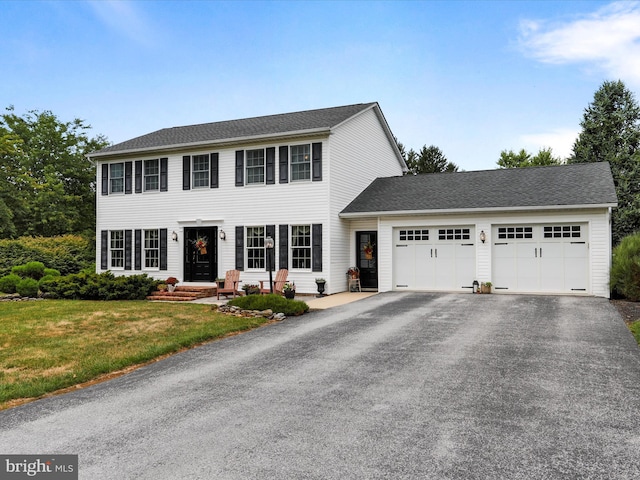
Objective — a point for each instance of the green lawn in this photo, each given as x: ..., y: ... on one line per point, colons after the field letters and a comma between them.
x: 635, y: 329
x: 49, y: 345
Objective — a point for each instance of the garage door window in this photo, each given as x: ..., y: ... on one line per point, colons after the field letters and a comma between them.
x: 562, y: 231
x: 454, y: 234
x: 515, y: 232
x: 414, y: 235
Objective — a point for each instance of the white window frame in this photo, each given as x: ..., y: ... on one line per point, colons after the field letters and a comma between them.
x: 255, y: 173
x: 151, y: 181
x: 301, y: 254
x: 256, y: 251
x: 113, y: 179
x: 200, y: 176
x: 151, y: 249
x: 300, y: 159
x: 116, y: 249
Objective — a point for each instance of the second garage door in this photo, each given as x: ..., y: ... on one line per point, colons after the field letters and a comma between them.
x: 434, y: 258
x: 541, y: 258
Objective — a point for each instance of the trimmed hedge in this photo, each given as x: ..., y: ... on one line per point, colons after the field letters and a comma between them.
x: 8, y: 283
x: 65, y: 253
x: 33, y: 270
x: 27, y: 287
x: 276, y: 303
x: 88, y: 285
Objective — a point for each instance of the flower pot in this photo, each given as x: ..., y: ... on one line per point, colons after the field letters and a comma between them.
x: 290, y: 294
x: 171, y: 288
x: 485, y: 288
x: 320, y: 286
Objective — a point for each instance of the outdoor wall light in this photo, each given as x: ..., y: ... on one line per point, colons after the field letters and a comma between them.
x: 222, y: 235
x: 174, y: 236
x: 483, y: 236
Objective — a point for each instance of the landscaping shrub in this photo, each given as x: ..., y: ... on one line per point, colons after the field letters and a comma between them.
x: 27, y: 287
x: 51, y: 272
x: 33, y: 270
x: 8, y: 283
x: 625, y: 268
x: 88, y: 285
x: 276, y: 303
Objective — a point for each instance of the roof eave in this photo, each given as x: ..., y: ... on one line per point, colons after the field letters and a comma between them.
x: 450, y: 211
x: 215, y: 143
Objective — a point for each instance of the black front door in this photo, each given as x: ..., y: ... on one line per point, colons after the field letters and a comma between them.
x: 200, y: 254
x: 367, y: 258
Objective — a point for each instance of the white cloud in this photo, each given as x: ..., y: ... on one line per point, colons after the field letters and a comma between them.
x: 608, y: 39
x: 122, y: 16
x: 559, y: 140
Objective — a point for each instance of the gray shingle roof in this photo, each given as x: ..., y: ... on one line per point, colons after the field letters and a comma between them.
x: 325, y: 118
x: 565, y: 185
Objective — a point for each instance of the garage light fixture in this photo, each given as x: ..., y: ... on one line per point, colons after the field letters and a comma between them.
x: 483, y: 236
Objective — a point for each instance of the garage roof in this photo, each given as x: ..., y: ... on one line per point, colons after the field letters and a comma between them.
x: 577, y: 185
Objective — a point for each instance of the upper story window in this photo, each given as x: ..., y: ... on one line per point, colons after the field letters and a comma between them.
x: 301, y: 247
x: 255, y: 248
x: 151, y: 248
x: 255, y: 166
x: 116, y: 177
x: 151, y: 175
x: 116, y: 248
x: 200, y: 171
x: 300, y: 162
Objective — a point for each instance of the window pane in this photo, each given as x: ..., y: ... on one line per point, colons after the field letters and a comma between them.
x: 301, y: 246
x: 151, y: 174
x: 116, y: 249
x: 301, y: 162
x: 255, y: 166
x: 200, y: 171
x: 255, y: 248
x: 116, y: 175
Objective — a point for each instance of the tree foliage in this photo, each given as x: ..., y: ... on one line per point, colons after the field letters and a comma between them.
x: 611, y: 133
x: 47, y: 184
x: 427, y: 160
x: 511, y: 159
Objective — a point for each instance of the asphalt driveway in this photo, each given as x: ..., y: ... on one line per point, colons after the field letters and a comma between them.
x: 399, y: 385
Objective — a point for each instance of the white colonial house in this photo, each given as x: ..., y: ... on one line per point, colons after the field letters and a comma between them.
x: 234, y: 183
x: 326, y: 183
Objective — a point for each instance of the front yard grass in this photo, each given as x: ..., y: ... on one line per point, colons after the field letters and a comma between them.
x: 50, y: 345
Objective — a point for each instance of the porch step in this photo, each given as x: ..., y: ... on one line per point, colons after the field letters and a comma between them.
x: 183, y: 294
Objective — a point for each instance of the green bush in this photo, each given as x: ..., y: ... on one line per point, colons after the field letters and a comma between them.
x: 625, y: 268
x: 51, y: 272
x: 33, y: 270
x: 8, y: 283
x: 27, y: 287
x: 88, y: 285
x: 272, y: 302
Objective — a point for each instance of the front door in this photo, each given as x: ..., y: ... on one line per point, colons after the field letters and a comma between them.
x: 201, y: 254
x: 367, y: 258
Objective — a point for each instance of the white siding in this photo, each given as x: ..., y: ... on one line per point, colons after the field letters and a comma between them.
x: 598, y: 227
x: 360, y: 153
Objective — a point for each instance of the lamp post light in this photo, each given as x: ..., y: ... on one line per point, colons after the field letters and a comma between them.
x: 268, y: 244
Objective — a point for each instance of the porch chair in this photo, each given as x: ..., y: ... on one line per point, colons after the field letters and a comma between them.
x: 231, y: 284
x: 278, y: 283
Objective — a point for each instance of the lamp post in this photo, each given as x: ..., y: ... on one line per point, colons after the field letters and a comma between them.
x: 268, y: 244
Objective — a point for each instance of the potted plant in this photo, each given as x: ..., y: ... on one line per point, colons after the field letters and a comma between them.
x: 289, y: 290
x: 220, y: 282
x: 162, y: 287
x: 353, y: 272
x: 251, y: 289
x: 485, y: 287
x: 171, y: 283
x: 320, y: 283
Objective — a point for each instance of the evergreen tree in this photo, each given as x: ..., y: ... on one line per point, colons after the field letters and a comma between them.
x: 428, y: 160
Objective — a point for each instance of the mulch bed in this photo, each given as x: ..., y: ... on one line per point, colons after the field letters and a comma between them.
x: 629, y: 311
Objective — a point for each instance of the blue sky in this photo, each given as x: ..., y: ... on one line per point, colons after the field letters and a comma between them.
x: 471, y: 77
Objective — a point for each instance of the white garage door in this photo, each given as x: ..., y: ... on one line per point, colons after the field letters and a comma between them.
x: 541, y: 258
x: 428, y: 258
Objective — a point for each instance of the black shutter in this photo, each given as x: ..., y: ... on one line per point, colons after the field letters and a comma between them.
x: 186, y: 172
x: 270, y: 231
x: 138, y: 173
x: 316, y: 247
x: 239, y: 168
x: 127, y: 177
x: 163, y: 249
x: 164, y: 174
x: 316, y: 163
x: 104, y: 249
x: 284, y: 164
x: 240, y: 248
x: 283, y: 242
x: 214, y: 170
x: 137, y: 242
x: 105, y: 179
x: 271, y: 165
x: 127, y: 249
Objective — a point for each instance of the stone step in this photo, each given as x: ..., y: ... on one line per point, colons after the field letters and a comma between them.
x: 183, y: 293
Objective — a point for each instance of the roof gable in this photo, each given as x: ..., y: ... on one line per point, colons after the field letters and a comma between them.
x: 580, y: 184
x: 287, y: 123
